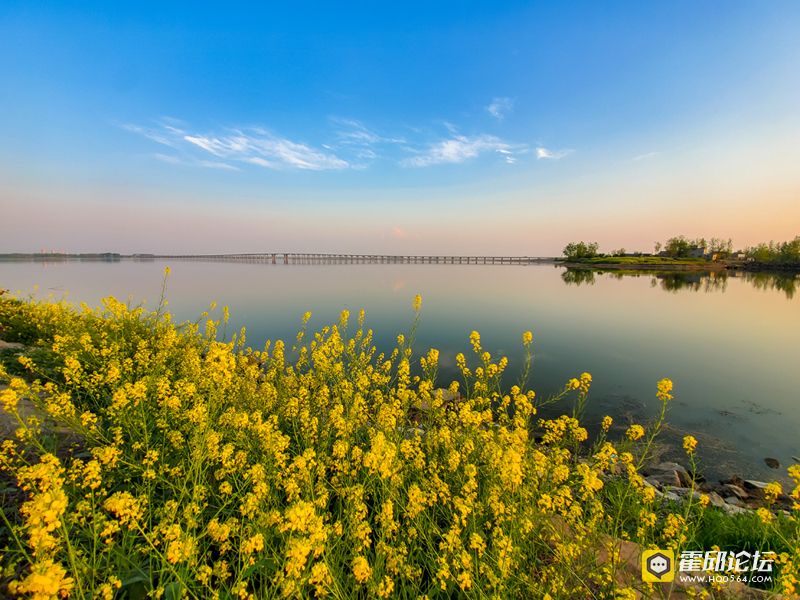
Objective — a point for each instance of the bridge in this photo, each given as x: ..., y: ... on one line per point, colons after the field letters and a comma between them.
x: 293, y: 258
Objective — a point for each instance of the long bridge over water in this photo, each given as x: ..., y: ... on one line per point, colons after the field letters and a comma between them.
x: 293, y: 258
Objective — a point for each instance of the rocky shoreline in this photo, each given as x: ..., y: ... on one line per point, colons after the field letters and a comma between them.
x: 734, y: 495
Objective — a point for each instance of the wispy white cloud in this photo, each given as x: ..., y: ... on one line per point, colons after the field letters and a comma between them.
x: 350, y: 144
x: 500, y: 107
x: 254, y: 146
x: 187, y: 161
x: 645, y: 156
x: 261, y: 147
x: 546, y: 153
x: 260, y: 162
x: 450, y: 127
x: 460, y: 148
x: 167, y: 158
x: 161, y: 135
x: 213, y: 164
x: 354, y: 131
x: 356, y: 140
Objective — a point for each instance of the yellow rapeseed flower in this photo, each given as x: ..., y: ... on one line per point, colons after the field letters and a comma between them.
x: 253, y: 544
x: 125, y: 507
x: 9, y: 398
x: 635, y: 432
x: 47, y: 580
x: 765, y: 515
x: 361, y: 569
x: 664, y: 389
x: 417, y: 303
x: 772, y: 491
x: 475, y: 340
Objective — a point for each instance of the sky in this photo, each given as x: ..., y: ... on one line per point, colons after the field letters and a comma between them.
x: 495, y: 128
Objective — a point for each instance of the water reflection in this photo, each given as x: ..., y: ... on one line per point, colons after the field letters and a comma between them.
x: 706, y: 282
x: 782, y: 282
x: 695, y: 281
x: 579, y: 276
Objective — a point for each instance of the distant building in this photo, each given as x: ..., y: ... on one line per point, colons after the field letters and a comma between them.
x: 698, y: 252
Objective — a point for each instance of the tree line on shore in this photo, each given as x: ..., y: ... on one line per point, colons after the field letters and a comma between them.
x: 713, y: 249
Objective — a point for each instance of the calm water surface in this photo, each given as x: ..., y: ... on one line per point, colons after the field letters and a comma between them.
x: 729, y: 344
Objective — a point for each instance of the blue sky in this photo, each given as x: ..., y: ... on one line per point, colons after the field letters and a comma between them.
x: 396, y: 128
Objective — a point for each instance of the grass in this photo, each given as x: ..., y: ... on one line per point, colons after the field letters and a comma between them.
x: 319, y: 467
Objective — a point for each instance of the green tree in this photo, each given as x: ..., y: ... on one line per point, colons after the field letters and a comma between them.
x: 678, y: 247
x: 577, y: 250
x: 774, y: 252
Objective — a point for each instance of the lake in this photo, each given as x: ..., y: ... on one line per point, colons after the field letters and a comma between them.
x: 729, y: 343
